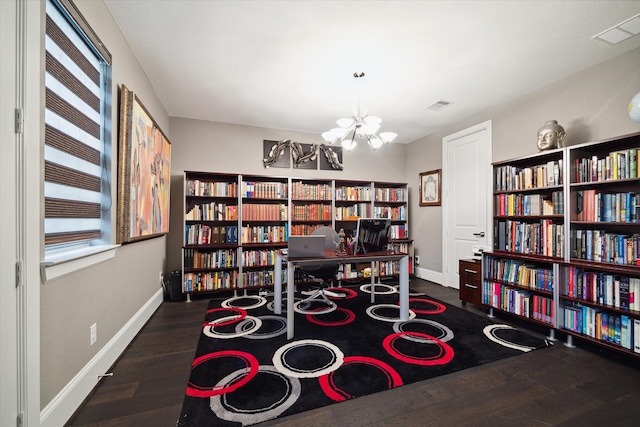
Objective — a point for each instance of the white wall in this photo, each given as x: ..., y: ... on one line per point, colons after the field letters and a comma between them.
x: 590, y: 105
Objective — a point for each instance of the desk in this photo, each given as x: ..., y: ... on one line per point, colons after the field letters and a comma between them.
x: 332, y: 257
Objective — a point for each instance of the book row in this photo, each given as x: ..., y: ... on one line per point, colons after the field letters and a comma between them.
x: 258, y: 258
x: 311, y: 212
x: 510, y: 178
x: 529, y: 204
x: 305, y: 191
x: 303, y: 229
x: 221, y: 258
x: 264, y: 190
x: 607, y: 207
x: 358, y: 193
x: 212, y: 212
x: 538, y: 238
x: 398, y: 232
x: 195, y: 187
x: 396, y: 213
x: 264, y: 212
x: 265, y: 234
x: 617, y: 291
x: 202, y: 234
x: 518, y: 302
x: 357, y: 210
x: 391, y: 195
x: 519, y: 273
x: 210, y: 281
x: 616, y: 165
x: 612, y: 328
x: 603, y: 246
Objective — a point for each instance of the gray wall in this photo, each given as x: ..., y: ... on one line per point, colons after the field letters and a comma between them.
x: 110, y: 293
x: 590, y: 105
x: 219, y: 147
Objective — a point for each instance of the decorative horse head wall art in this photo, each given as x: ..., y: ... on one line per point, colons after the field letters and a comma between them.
x: 304, y: 156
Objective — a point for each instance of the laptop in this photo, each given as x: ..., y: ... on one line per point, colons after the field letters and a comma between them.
x: 306, y: 246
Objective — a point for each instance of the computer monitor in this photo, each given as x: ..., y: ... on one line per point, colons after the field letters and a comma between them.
x: 372, y: 235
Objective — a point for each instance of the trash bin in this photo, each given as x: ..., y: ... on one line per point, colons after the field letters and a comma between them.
x: 174, y: 280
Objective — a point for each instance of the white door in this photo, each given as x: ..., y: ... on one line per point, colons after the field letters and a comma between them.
x: 466, y: 184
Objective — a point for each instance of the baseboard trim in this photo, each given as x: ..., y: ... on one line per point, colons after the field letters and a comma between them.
x: 430, y: 275
x: 63, y: 406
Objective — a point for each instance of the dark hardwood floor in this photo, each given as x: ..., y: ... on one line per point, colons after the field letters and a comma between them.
x: 559, y: 386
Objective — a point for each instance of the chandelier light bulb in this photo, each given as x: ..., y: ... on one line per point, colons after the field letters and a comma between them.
x: 345, y: 122
x: 375, y: 142
x: 359, y: 126
x: 388, y: 137
x: 349, y: 144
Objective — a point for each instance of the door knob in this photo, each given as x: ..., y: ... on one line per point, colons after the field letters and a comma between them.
x: 480, y: 234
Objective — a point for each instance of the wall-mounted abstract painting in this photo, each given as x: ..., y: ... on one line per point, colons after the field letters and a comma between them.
x: 144, y: 173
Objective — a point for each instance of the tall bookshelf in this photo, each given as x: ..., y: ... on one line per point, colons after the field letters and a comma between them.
x: 211, y: 247
x: 599, y: 296
x: 567, y: 242
x: 311, y: 205
x: 529, y: 236
x: 235, y: 223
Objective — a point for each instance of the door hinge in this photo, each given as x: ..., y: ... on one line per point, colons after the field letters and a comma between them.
x: 18, y: 273
x: 19, y: 419
x: 19, y: 120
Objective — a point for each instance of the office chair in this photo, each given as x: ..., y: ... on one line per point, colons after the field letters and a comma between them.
x: 320, y: 273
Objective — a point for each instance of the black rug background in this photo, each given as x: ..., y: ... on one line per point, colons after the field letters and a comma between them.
x: 361, y: 337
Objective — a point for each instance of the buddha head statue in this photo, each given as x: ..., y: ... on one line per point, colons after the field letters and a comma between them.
x: 550, y: 136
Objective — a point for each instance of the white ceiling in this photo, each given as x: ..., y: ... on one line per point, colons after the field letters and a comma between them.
x: 289, y: 64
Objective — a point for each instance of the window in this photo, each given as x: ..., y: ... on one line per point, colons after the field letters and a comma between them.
x: 77, y: 174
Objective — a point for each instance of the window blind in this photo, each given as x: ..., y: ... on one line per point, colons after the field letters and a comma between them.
x: 74, y: 134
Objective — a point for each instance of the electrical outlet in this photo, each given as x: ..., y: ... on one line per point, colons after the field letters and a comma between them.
x: 417, y: 258
x: 161, y: 277
x: 93, y: 332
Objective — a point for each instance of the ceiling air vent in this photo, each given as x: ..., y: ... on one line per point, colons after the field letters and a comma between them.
x: 437, y: 106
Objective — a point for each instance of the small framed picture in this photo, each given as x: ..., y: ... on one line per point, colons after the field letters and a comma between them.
x: 430, y: 188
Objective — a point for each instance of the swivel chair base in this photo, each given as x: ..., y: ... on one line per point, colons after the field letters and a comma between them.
x: 320, y: 296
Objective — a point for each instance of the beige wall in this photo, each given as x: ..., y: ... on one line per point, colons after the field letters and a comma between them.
x: 590, y: 105
x: 110, y: 293
x: 219, y: 147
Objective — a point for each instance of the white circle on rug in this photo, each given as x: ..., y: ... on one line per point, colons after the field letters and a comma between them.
x: 271, y: 305
x: 372, y: 309
x: 411, y: 294
x: 329, y: 309
x: 336, y: 360
x: 266, y: 335
x: 489, y: 331
x: 445, y: 336
x: 219, y: 404
x: 211, y: 332
x: 228, y: 302
x: 389, y: 289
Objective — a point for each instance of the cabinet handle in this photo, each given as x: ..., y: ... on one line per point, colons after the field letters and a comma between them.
x: 470, y: 286
x: 470, y: 271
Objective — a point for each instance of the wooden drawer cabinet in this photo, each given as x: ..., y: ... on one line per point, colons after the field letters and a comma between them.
x: 470, y: 271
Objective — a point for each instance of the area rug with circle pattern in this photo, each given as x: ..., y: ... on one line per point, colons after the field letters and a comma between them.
x: 245, y: 371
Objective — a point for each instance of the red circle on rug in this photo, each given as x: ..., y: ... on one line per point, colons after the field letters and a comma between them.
x: 315, y: 319
x: 445, y: 356
x: 338, y: 395
x: 350, y: 293
x: 440, y: 308
x: 241, y: 315
x: 251, y: 365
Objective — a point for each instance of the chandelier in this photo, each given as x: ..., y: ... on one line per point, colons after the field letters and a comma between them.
x: 358, y: 127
